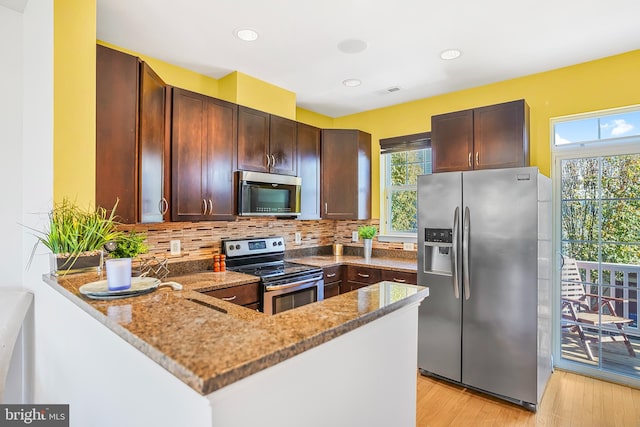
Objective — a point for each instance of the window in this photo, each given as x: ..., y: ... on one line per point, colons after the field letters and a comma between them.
x: 403, y: 159
x: 597, y: 127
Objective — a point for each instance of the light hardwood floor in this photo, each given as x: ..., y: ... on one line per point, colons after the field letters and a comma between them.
x: 569, y: 400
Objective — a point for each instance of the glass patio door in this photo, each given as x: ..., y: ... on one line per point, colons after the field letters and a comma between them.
x: 599, y: 230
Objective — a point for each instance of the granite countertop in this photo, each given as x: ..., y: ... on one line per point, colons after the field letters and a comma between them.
x: 213, y: 343
x: 386, y: 263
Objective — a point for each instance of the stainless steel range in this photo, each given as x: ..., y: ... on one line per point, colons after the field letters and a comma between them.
x: 285, y: 285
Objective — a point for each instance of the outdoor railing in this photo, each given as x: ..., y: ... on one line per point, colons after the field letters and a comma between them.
x: 618, y: 280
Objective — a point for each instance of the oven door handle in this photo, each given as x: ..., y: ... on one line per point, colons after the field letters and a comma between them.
x: 292, y: 285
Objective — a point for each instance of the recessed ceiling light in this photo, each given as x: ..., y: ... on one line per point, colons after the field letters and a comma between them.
x: 351, y: 82
x: 246, y: 34
x: 450, y: 54
x: 352, y: 46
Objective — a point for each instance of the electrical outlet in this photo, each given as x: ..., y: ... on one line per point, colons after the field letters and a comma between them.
x: 298, y: 237
x: 175, y: 247
x: 354, y: 236
x: 407, y: 246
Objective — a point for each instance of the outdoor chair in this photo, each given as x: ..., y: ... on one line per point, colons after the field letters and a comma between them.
x: 580, y: 309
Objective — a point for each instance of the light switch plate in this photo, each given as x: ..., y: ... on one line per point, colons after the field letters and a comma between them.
x: 175, y: 247
x: 298, y: 237
x: 354, y: 236
x: 407, y: 246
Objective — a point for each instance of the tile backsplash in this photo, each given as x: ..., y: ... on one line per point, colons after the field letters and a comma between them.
x: 201, y: 240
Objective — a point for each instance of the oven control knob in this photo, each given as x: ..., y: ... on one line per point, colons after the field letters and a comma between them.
x: 274, y: 243
x: 280, y: 243
x: 237, y: 247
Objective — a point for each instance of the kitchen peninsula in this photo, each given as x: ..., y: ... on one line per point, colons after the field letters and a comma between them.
x: 185, y: 358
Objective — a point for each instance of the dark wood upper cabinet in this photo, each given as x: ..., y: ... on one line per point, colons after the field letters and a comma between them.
x: 253, y: 140
x: 131, y: 138
x: 495, y: 136
x: 266, y: 143
x: 203, y: 149
x: 452, y: 141
x: 308, y: 153
x: 282, y: 145
x: 346, y: 174
x: 501, y: 135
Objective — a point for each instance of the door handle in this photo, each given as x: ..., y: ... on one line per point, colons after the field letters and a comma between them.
x: 465, y: 252
x: 268, y: 161
x: 469, y: 159
x: 330, y: 275
x: 204, y: 207
x: 326, y: 208
x: 210, y: 207
x: 454, y: 258
x: 273, y: 161
x: 164, y: 206
x: 477, y: 158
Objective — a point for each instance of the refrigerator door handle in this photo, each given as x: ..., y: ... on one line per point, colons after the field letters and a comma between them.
x: 454, y: 258
x: 465, y: 252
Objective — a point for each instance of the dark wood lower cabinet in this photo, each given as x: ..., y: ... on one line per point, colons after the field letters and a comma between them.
x: 245, y: 295
x: 359, y: 277
x: 333, y: 282
x: 400, y: 277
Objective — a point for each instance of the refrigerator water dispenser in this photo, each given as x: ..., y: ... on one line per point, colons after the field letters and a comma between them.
x: 438, y: 253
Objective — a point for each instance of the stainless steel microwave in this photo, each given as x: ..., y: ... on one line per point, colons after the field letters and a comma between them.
x: 268, y: 194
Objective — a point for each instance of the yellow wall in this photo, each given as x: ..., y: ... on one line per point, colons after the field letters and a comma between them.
x: 263, y: 96
x: 606, y: 83
x: 74, y: 100
x: 174, y: 75
x: 313, y: 119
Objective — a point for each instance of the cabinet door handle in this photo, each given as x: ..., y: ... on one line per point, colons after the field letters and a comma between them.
x: 399, y: 280
x: 204, y: 207
x: 326, y: 208
x: 273, y: 161
x: 229, y: 298
x: 363, y: 275
x: 268, y: 161
x: 469, y: 159
x: 164, y: 206
x: 331, y: 275
x: 210, y: 207
x: 477, y: 159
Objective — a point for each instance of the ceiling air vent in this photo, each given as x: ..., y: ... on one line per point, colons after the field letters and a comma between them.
x: 393, y: 89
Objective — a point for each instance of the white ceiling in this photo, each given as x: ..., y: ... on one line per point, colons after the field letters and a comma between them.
x: 297, y: 49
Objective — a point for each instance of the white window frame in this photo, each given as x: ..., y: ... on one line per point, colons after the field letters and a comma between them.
x: 386, y: 235
x: 603, y: 147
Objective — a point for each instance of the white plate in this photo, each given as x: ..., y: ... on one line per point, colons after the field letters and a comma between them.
x: 100, y: 289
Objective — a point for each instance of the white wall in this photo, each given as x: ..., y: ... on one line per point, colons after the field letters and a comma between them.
x: 26, y: 172
x: 36, y: 162
x: 11, y: 103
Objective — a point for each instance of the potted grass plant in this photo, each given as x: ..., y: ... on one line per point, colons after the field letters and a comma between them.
x: 367, y: 233
x: 76, y: 237
x: 119, y: 269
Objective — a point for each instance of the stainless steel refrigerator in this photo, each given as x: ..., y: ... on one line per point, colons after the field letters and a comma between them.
x: 484, y: 250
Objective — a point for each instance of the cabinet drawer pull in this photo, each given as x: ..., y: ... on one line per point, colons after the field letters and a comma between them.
x: 469, y: 159
x: 363, y: 275
x: 477, y: 159
x: 204, y: 207
x: 331, y: 275
x: 399, y: 280
x: 268, y: 161
x: 229, y: 298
